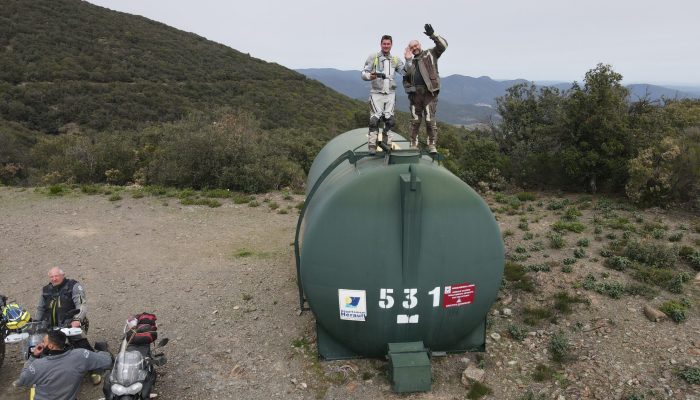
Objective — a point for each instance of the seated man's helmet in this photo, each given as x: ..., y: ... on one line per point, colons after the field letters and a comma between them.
x: 15, y: 316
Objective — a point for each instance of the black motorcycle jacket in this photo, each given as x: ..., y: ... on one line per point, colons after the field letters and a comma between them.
x: 56, y: 301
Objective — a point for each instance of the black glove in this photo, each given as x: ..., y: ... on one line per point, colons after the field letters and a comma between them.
x: 380, y: 75
x: 429, y: 31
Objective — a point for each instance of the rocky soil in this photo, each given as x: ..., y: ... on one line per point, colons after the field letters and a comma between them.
x: 222, y: 282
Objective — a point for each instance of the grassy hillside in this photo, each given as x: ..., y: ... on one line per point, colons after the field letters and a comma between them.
x: 67, y: 61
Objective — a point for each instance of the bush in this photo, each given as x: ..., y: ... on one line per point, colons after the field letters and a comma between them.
x: 652, y: 254
x: 691, y: 375
x: 675, y: 237
x: 559, y: 347
x: 526, y: 196
x: 571, y: 214
x: 517, y: 332
x: 557, y: 204
x: 675, y: 310
x: 618, y: 263
x: 573, y: 226
x: 579, y: 252
x: 556, y: 241
x: 542, y: 373
x: 582, y: 242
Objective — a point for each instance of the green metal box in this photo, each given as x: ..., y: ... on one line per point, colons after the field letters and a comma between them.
x: 409, y: 367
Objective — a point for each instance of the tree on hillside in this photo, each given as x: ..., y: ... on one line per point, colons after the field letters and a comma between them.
x: 596, y: 143
x: 529, y: 133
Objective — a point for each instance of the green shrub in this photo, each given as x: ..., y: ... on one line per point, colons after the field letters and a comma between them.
x: 90, y: 189
x: 526, y: 196
x: 524, y: 226
x: 573, y: 226
x: 694, y: 259
x: 273, y: 205
x: 571, y: 214
x: 559, y: 347
x: 137, y: 194
x: 253, y: 203
x: 115, y: 197
x: 242, y: 198
x: 569, y: 261
x: 528, y: 236
x: 520, y: 249
x: 563, y: 302
x: 517, y: 257
x: 614, y: 290
x: 556, y: 240
x: 193, y: 201
x: 598, y: 230
x: 517, y: 332
x: 589, y: 282
x: 567, y: 269
x: 533, y: 315
x: 652, y: 254
x: 478, y: 390
x: 557, y: 204
x: 641, y: 290
x: 658, y: 233
x: 618, y: 263
x: 542, y: 373
x: 675, y: 237
x: 539, y: 268
x: 579, y: 252
x: 57, y: 190
x: 537, y: 246
x: 691, y: 375
x: 675, y: 310
x: 582, y: 242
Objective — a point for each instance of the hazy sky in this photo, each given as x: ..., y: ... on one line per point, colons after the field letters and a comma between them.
x: 646, y: 41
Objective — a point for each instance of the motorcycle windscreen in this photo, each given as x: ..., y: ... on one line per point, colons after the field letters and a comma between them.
x: 128, y: 368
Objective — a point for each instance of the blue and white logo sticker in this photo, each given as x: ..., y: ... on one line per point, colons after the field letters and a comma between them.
x: 352, y: 304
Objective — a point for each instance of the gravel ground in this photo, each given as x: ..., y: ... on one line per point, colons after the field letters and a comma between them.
x: 222, y: 283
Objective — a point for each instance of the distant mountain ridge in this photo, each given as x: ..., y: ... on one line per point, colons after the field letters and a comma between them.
x: 466, y: 100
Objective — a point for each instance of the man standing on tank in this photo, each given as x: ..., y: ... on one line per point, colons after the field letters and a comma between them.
x: 422, y: 84
x: 380, y: 69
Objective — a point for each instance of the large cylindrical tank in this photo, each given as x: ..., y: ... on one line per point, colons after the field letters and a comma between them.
x: 394, y: 249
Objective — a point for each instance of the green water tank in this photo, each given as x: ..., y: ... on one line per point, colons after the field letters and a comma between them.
x: 394, y: 249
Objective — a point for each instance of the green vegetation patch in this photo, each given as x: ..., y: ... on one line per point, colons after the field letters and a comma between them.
x: 572, y: 226
x: 691, y: 375
x: 559, y: 347
x: 526, y: 196
x: 193, y: 201
x: 516, y: 273
x: 533, y: 315
x: 517, y: 332
x: 543, y: 373
x: 478, y: 390
x: 676, y: 310
x: 563, y: 302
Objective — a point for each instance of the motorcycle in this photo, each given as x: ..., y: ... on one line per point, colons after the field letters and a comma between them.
x: 32, y: 334
x: 3, y: 329
x: 134, y: 374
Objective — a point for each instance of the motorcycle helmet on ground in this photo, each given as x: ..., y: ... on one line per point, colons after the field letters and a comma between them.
x: 15, y: 316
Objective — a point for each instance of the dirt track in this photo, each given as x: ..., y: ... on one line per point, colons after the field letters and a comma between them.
x: 222, y: 282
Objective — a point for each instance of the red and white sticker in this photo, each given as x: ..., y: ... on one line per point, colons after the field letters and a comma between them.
x: 458, y: 295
